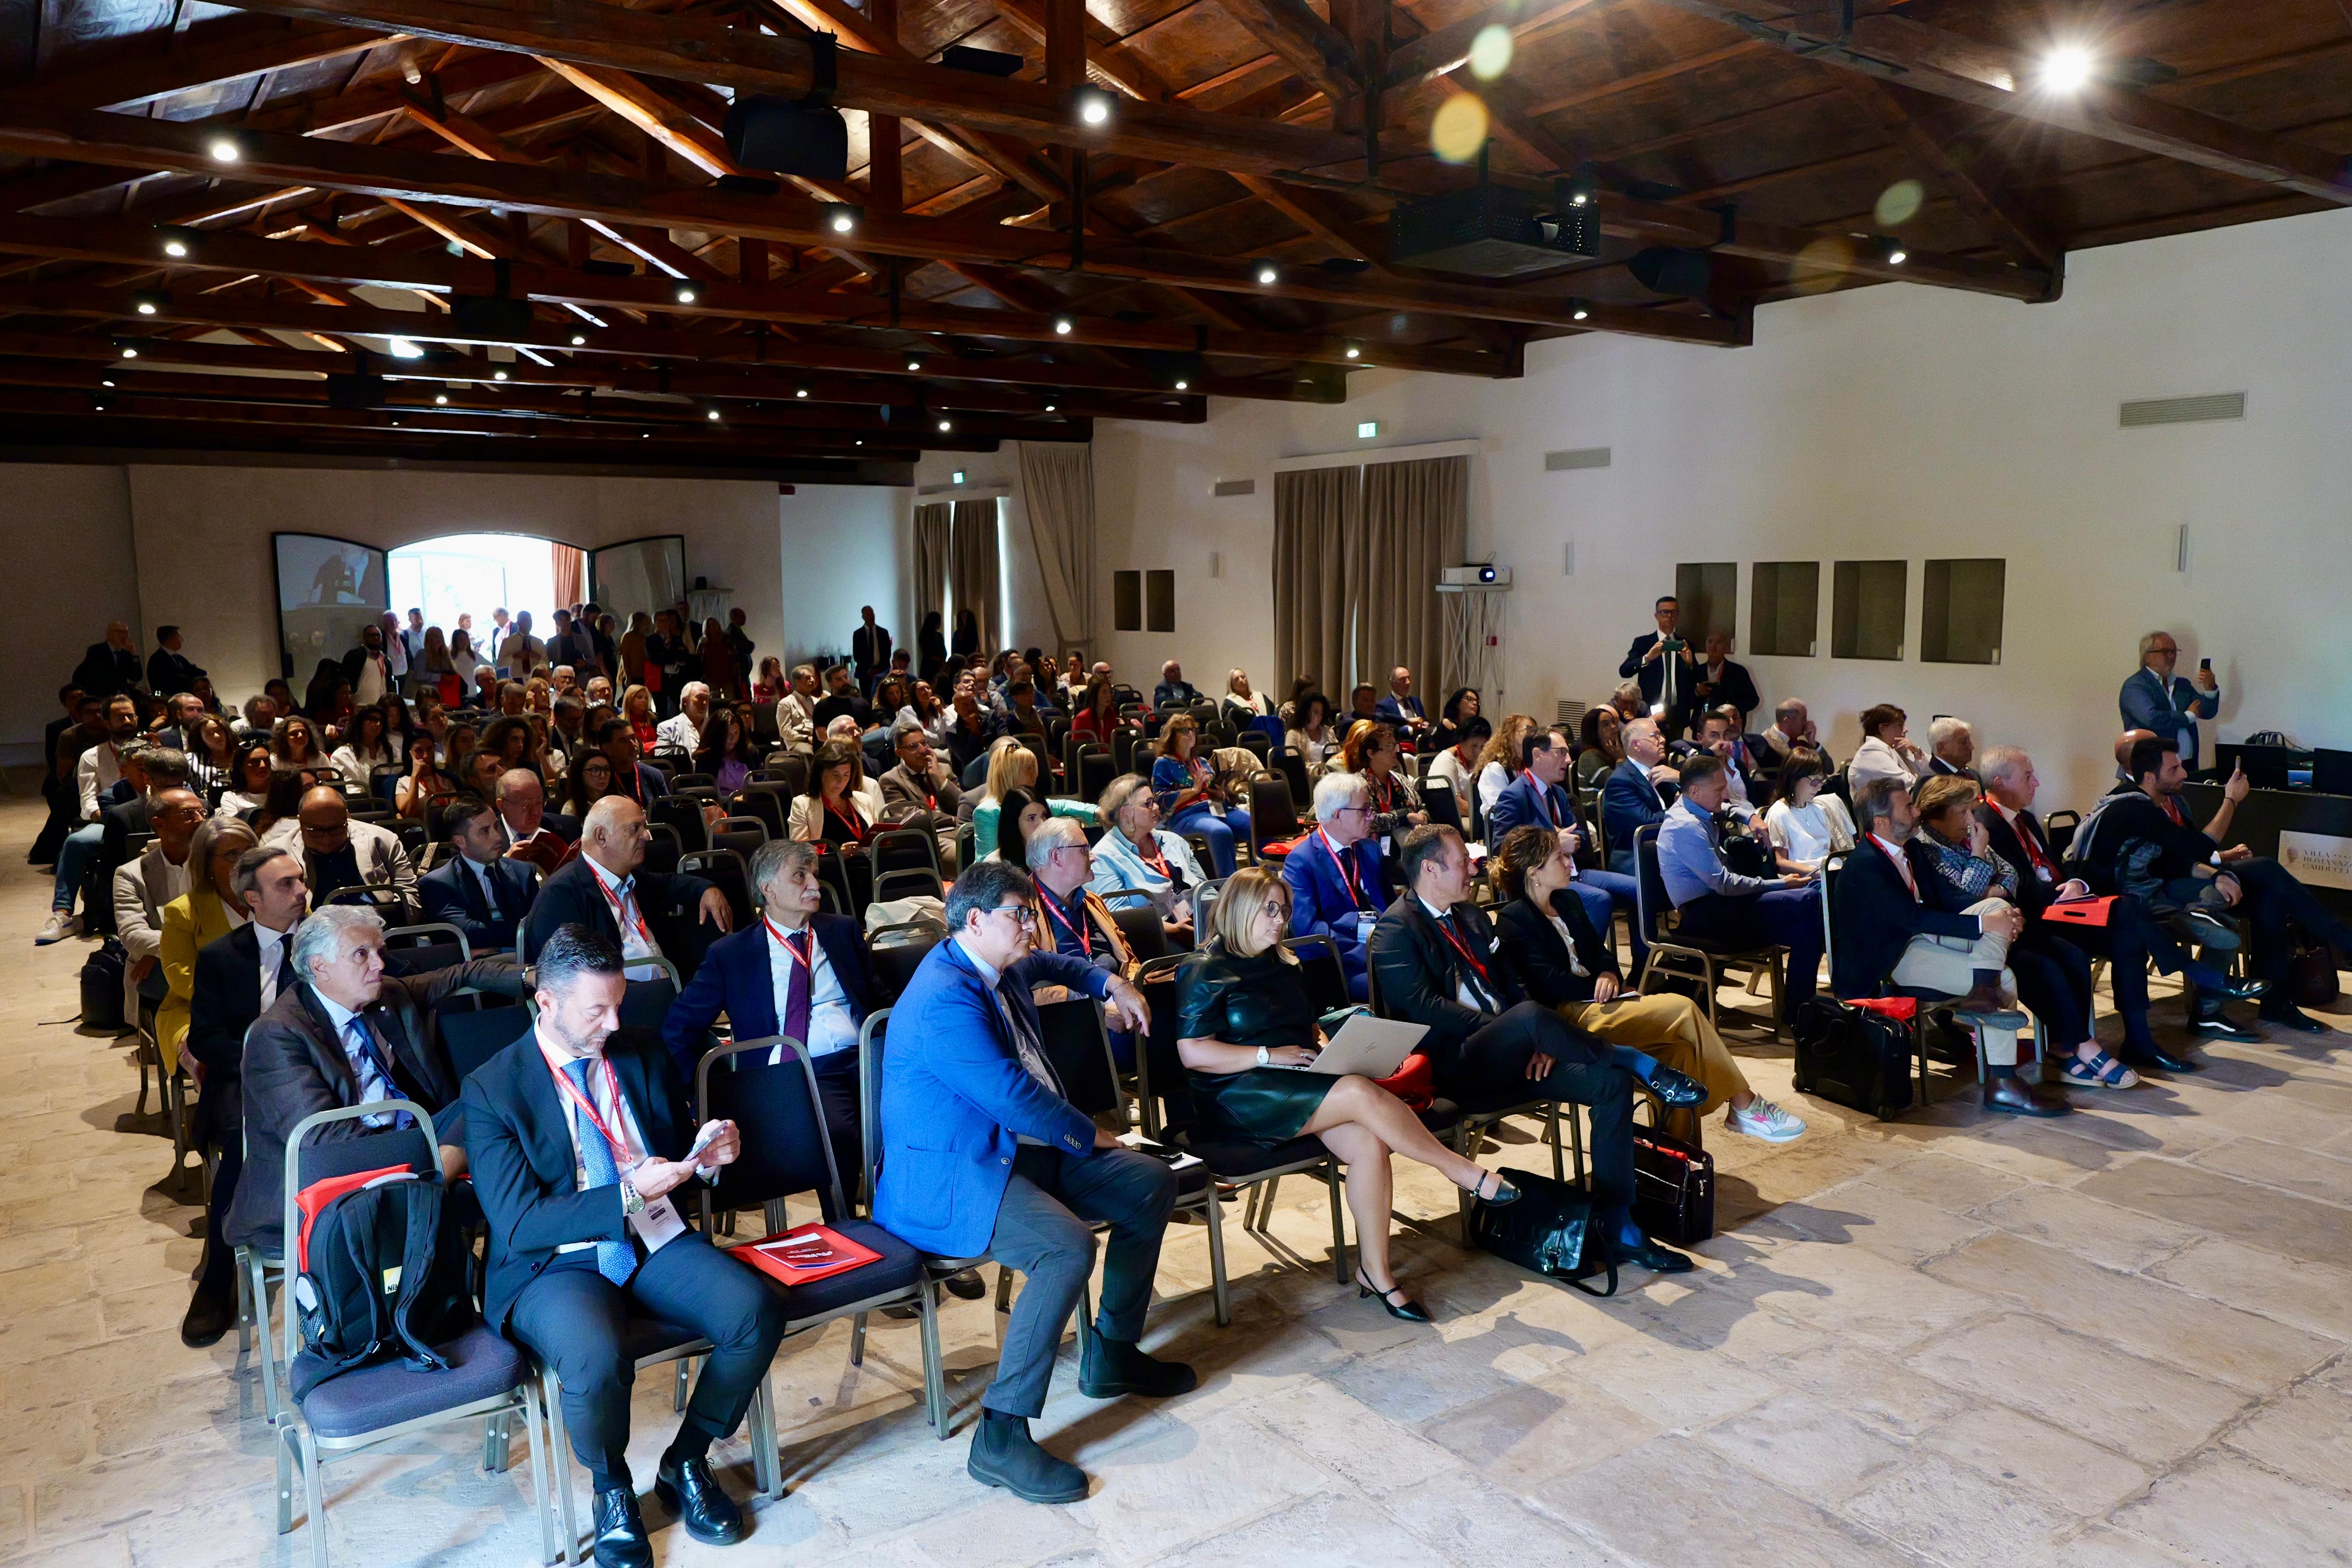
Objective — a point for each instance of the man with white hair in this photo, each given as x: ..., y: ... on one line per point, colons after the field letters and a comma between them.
x: 1173, y: 687
x: 683, y: 729
x: 604, y: 889
x: 1337, y: 878
x: 796, y: 713
x: 2156, y: 699
x: 346, y: 1034
x: 1952, y: 748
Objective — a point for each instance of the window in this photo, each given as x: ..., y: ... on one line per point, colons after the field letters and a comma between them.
x: 1709, y: 593
x: 1160, y: 601
x: 1127, y: 601
x: 1867, y: 606
x: 1960, y: 612
x: 1784, y: 606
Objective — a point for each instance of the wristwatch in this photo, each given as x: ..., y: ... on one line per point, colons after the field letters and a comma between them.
x: 1264, y: 1058
x: 632, y: 1201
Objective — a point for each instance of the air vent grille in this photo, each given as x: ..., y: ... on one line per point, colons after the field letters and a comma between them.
x: 1236, y: 487
x: 1569, y: 716
x: 1584, y: 458
x: 2184, y: 410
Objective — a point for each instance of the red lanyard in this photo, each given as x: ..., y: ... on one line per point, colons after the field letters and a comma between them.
x: 1083, y: 931
x: 1347, y: 872
x: 1382, y: 789
x: 2033, y: 850
x: 614, y: 899
x: 1156, y: 860
x: 847, y: 819
x: 1446, y: 929
x: 1901, y: 865
x: 622, y: 1156
x: 2173, y: 810
x: 790, y: 945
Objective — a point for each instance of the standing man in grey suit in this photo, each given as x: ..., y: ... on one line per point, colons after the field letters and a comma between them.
x: 2165, y: 704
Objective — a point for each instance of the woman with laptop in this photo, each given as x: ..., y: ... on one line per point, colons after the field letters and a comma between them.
x: 1248, y: 1033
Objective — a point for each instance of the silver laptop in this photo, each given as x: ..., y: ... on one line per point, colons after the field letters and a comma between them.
x: 1372, y: 1047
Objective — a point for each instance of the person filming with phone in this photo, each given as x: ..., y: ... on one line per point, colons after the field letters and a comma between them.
x: 1662, y: 663
x: 2169, y: 705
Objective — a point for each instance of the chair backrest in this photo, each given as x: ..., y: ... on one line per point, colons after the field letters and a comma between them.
x: 694, y: 781
x: 1274, y: 815
x: 763, y: 804
x: 431, y: 935
x: 412, y: 838
x: 1254, y: 741
x: 1160, y: 1083
x: 1319, y: 966
x: 1074, y: 1041
x: 682, y: 815
x: 905, y: 849
x: 1205, y: 894
x: 741, y: 835
x: 1146, y: 937
x: 385, y: 902
x: 725, y: 870
x: 1444, y: 810
x: 663, y: 849
x: 1095, y: 770
x: 475, y: 1026
x: 2060, y: 828
x: 414, y: 1147
x: 785, y: 1149
x: 789, y: 769
x: 891, y: 966
x: 1649, y: 901
x: 1048, y: 771
x: 1291, y: 763
x: 975, y: 773
x: 872, y: 1041
x: 1123, y: 742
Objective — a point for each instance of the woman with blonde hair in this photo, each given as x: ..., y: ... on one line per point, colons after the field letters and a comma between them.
x: 1499, y: 763
x: 1247, y: 1023
x: 1012, y: 765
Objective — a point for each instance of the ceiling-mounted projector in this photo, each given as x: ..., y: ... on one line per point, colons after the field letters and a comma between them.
x: 1493, y: 231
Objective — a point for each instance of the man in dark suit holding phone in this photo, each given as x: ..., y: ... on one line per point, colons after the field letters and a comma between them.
x: 1661, y: 662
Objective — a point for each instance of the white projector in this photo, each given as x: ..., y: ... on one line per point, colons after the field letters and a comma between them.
x: 1478, y: 575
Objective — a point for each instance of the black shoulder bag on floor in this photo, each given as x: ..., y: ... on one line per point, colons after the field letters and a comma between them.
x: 1548, y: 1231
x: 1674, y: 1188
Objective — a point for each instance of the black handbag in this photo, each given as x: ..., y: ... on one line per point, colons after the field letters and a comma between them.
x: 1674, y: 1188
x: 2311, y: 979
x: 1748, y: 855
x: 1547, y: 1231
x: 1853, y: 1056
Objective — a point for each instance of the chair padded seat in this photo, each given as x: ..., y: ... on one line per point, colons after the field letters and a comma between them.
x: 1716, y: 947
x: 483, y: 1365
x: 899, y: 1268
x: 1242, y: 1161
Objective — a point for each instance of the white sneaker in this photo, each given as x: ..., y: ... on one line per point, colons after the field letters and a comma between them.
x: 60, y: 926
x: 1764, y: 1120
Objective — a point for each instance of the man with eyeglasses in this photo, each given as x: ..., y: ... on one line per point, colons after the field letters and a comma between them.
x: 2165, y: 704
x: 1338, y: 879
x: 983, y: 1155
x: 337, y: 853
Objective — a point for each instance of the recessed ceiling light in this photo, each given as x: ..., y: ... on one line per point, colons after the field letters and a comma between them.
x: 946, y: 426
x: 685, y: 293
x: 223, y: 149
x: 713, y: 414
x: 578, y: 339
x: 1355, y: 350
x: 1093, y: 107
x: 441, y: 400
x: 2066, y: 68
x: 841, y: 216
x: 800, y: 392
x: 497, y: 375
x: 401, y: 348
x: 1050, y: 407
x: 175, y: 248
x: 130, y: 354
x: 1267, y: 273
x: 1063, y: 326
x: 1182, y: 385
x: 146, y: 307
x: 1896, y: 256
x: 106, y: 381
x: 914, y: 363
x: 1578, y: 310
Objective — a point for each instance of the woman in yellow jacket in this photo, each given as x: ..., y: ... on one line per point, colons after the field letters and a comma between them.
x: 207, y: 911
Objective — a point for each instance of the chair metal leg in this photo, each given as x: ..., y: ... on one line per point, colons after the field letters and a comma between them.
x: 1218, y: 1290
x: 677, y: 1384
x: 534, y: 1417
x: 142, y: 1053
x: 935, y: 1379
x: 1339, y: 1221
x: 559, y: 1455
x: 1551, y: 1119
x: 285, y: 1481
x: 1004, y: 1288
x: 314, y: 1493
x: 767, y: 1463
x: 858, y: 1339
x: 244, y: 1308
x: 268, y: 1352
x: 497, y: 1453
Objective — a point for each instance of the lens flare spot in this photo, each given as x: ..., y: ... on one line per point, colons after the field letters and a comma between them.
x: 1490, y: 52
x: 1820, y: 266
x: 1898, y: 204
x: 1459, y: 129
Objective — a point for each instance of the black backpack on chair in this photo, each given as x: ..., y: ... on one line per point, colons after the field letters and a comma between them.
x: 386, y: 1274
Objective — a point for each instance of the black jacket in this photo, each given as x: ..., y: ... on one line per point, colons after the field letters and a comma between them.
x: 1539, y: 956
x: 571, y: 897
x: 224, y: 998
x: 1652, y: 678
x: 169, y: 673
x: 295, y: 1065
x: 106, y: 670
x: 1874, y: 918
x: 2033, y: 894
x: 1736, y: 686
x: 1418, y: 975
x: 2129, y: 843
x: 519, y: 1152
x: 869, y: 648
x: 452, y: 894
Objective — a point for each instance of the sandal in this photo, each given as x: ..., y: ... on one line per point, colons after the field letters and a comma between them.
x: 2102, y: 1072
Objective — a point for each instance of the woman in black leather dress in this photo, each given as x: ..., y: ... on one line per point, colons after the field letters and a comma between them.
x: 1246, y: 1022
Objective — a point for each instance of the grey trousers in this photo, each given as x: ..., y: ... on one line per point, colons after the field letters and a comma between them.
x: 1949, y: 964
x: 1045, y: 1229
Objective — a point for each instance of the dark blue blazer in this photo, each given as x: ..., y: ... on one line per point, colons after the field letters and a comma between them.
x: 955, y: 1096
x: 1874, y: 917
x: 1320, y: 904
x: 1523, y: 801
x: 571, y: 897
x: 1629, y: 803
x: 1394, y: 712
x: 452, y: 894
x: 735, y: 979
x: 519, y: 1152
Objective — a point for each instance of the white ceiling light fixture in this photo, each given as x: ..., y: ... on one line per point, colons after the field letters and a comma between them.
x: 1267, y: 272
x: 2066, y: 68
x: 402, y: 347
x: 223, y: 149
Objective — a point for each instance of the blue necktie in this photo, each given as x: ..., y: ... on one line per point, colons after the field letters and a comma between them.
x: 371, y: 1062
x: 615, y: 1260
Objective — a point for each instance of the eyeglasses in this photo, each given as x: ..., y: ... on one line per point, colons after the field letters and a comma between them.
x: 1023, y: 915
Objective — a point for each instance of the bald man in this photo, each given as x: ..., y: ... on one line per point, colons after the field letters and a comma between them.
x: 605, y: 888
x: 338, y: 852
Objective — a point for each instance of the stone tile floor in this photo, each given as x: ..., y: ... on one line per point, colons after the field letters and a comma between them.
x: 2116, y: 1338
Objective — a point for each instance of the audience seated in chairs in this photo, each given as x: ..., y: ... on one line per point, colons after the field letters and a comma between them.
x: 1458, y: 765
x: 1402, y: 710
x: 1173, y: 689
x: 1372, y: 754
x: 2141, y: 841
x: 1888, y: 932
x: 1435, y: 962
x: 1077, y: 923
x: 982, y: 1156
x: 1337, y: 878
x: 1806, y: 825
x: 339, y: 852
x: 1012, y: 765
x: 1792, y: 730
x: 482, y: 889
x: 1311, y: 733
x: 1097, y: 713
x: 1139, y: 864
x: 1951, y: 749
x: 1537, y: 799
x: 1600, y: 738
x: 1453, y: 718
x: 1717, y: 682
x: 1193, y: 797
x: 1716, y: 903
x: 1887, y: 752
x: 841, y: 806
x: 602, y: 890
x: 142, y: 888
x: 582, y: 1144
x: 1637, y: 793
x: 1246, y: 1022
x: 1500, y: 763
x: 1564, y: 963
x: 1242, y: 706
x: 97, y: 777
x: 920, y: 792
x: 1718, y: 736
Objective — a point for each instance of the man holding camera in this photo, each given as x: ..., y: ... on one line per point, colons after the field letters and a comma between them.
x: 2165, y: 704
x: 1661, y: 662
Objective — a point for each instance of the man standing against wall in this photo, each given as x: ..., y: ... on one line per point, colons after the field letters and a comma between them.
x: 2166, y: 704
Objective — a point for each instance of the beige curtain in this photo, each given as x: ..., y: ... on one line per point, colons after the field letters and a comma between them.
x: 1057, y: 491
x: 930, y: 563
x: 571, y: 576
x: 1415, y: 518
x: 971, y: 566
x: 1316, y: 512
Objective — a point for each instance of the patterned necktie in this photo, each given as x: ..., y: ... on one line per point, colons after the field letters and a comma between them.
x: 797, y: 986
x: 615, y: 1260
x: 371, y: 1064
x: 1025, y: 1043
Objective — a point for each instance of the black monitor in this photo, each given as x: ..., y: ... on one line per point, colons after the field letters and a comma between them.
x: 2265, y: 765
x: 2331, y: 772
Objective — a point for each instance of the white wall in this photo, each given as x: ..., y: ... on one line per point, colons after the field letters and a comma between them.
x: 70, y: 557
x: 843, y: 546
x: 1892, y: 421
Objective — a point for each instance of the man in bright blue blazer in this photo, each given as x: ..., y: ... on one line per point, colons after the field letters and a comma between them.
x: 2167, y: 705
x: 1636, y: 794
x: 1537, y: 797
x: 479, y: 890
x: 1337, y: 881
x: 983, y: 1155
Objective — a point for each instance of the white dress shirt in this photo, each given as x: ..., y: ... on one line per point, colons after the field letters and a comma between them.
x: 636, y: 937
x: 98, y: 771
x: 831, y: 1027
x: 1470, y: 994
x: 373, y: 1085
x: 272, y: 947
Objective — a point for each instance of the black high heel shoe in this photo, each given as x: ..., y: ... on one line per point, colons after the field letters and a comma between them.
x: 1410, y: 1310
x: 1503, y: 1192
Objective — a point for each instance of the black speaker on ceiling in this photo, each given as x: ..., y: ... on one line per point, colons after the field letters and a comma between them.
x: 475, y: 316
x: 1663, y: 269
x: 788, y: 138
x: 356, y: 390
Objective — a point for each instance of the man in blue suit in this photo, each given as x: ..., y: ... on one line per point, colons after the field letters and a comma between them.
x: 1337, y: 879
x: 982, y: 1156
x: 1636, y: 794
x: 2163, y: 703
x: 479, y: 890
x: 1401, y: 710
x: 1538, y: 797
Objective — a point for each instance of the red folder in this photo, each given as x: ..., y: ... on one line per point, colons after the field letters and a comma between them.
x: 2081, y: 912
x: 802, y: 1257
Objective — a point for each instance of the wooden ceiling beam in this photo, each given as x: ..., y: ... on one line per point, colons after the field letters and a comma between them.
x: 1108, y: 56
x: 2003, y: 80
x: 226, y: 50
x: 1904, y: 116
x: 1319, y: 53
x: 1447, y: 49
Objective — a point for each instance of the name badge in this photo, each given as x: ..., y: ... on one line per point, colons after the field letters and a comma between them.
x: 2042, y: 872
x: 658, y: 1225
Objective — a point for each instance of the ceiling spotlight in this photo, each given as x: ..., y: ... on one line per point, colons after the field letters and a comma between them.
x: 99, y: 404
x: 106, y: 381
x: 841, y: 217
x: 1182, y: 385
x: 401, y: 348
x: 497, y: 375
x: 130, y: 352
x: 645, y: 434
x: 148, y: 304
x: 1578, y: 310
x: 1581, y: 189
x: 1093, y: 107
x: 1064, y: 326
x: 800, y: 392
x: 1355, y: 350
x: 175, y: 248
x: 913, y: 364
x: 859, y: 442
x: 2066, y: 70
x: 946, y: 426
x: 1895, y: 254
x: 578, y: 339
x: 441, y: 400
x: 1050, y: 407
x: 223, y: 149
x: 684, y: 293
x: 712, y: 416
x: 1267, y: 273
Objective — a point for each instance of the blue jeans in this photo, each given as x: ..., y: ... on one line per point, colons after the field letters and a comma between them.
x: 1219, y: 831
x: 81, y: 846
x: 1616, y: 892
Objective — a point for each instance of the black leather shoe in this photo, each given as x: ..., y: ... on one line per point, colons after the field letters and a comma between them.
x: 2015, y: 1097
x: 2241, y: 990
x: 1657, y: 1259
x: 1676, y: 1089
x: 692, y: 1495
x: 2156, y: 1055
x: 209, y: 1318
x: 1004, y: 1454
x: 1409, y: 1309
x: 620, y: 1539
x: 1108, y: 1367
x: 2287, y: 1015
x: 2216, y: 1025
x: 965, y: 1284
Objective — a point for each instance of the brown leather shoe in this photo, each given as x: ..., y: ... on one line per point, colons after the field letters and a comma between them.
x: 2017, y: 1098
